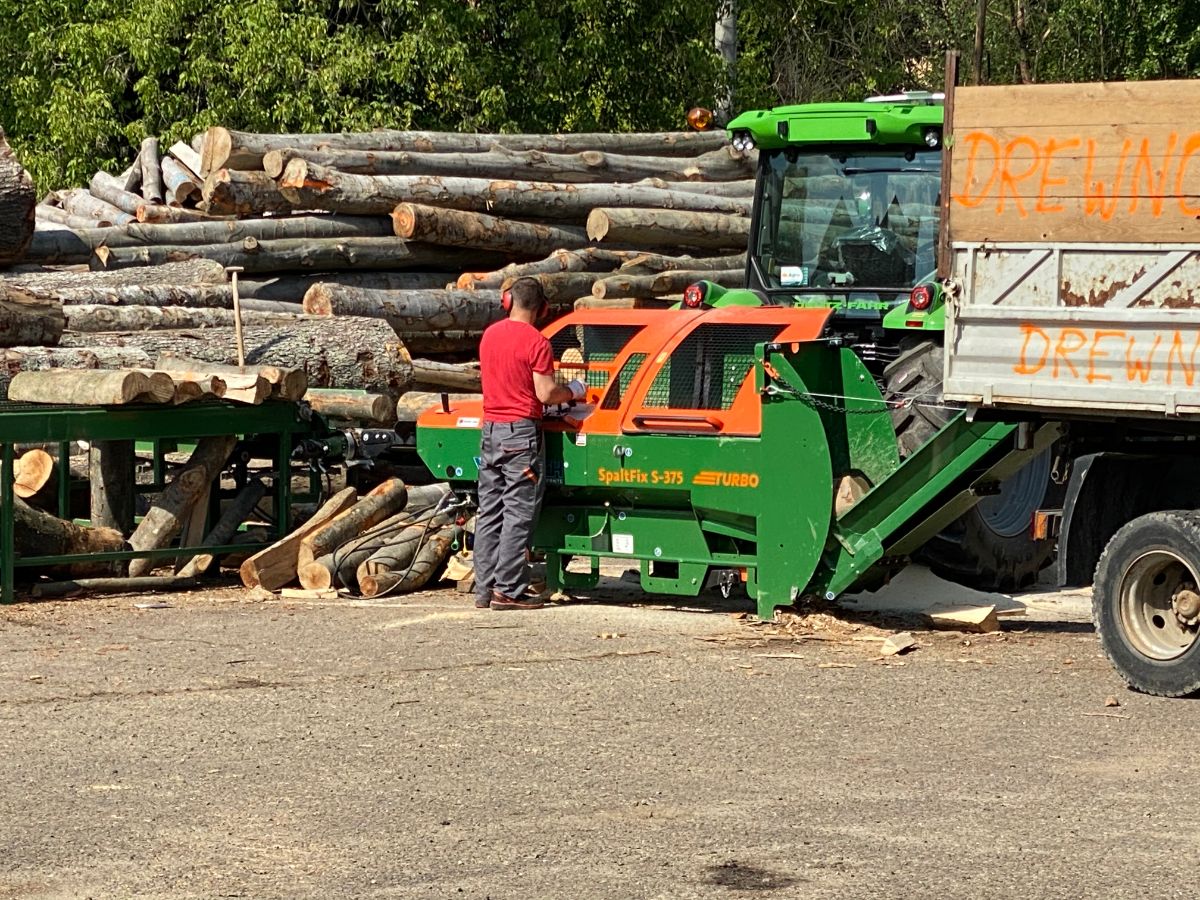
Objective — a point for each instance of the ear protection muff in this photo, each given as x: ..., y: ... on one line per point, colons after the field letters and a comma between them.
x: 506, y: 303
x: 506, y: 300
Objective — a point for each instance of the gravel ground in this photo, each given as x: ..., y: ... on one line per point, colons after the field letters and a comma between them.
x: 226, y: 746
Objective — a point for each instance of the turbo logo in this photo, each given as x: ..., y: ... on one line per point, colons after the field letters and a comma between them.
x: 710, y: 478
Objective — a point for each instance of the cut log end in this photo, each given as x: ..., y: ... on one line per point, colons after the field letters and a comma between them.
x: 33, y: 471
x: 315, y: 576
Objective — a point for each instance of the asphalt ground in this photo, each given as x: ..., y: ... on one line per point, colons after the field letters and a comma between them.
x: 228, y: 746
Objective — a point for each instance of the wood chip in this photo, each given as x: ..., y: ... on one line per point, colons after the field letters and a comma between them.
x: 836, y: 666
x: 1111, y: 701
x: 898, y: 643
x: 778, y: 656
x: 965, y: 618
x: 303, y: 594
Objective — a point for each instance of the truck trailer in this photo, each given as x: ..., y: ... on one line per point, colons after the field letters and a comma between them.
x: 752, y: 442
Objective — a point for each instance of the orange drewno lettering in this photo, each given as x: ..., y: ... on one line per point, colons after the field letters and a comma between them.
x: 1023, y: 367
x: 1094, y: 199
x: 1009, y: 180
x: 1094, y: 353
x: 973, y: 140
x: 1140, y: 368
x: 1063, y: 351
x: 1190, y: 147
x: 1156, y: 181
x: 1046, y: 182
x: 1188, y: 366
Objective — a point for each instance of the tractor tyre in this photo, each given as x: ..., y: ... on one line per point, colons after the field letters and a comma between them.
x: 991, y: 546
x: 1145, y: 603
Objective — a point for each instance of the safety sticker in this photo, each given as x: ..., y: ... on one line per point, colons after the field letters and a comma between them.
x: 467, y: 422
x: 622, y: 543
x: 581, y: 439
x: 793, y: 275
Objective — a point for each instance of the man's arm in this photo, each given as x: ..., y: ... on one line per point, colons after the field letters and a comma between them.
x: 549, y: 392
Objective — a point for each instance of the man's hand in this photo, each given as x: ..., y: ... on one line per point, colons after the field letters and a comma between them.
x: 550, y: 392
x: 578, y: 389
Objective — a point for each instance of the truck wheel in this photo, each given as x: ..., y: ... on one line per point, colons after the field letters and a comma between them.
x: 990, y: 547
x: 1145, y: 603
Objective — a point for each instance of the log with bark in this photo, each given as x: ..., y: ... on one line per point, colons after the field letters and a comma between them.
x: 146, y: 584
x: 412, y: 404
x: 454, y: 376
x: 35, y: 478
x: 275, y: 566
x: 80, y: 202
x: 46, y: 215
x: 190, y: 271
x: 102, y: 317
x: 316, y: 187
x: 290, y: 287
x: 664, y: 282
x: 381, y: 502
x: 294, y: 254
x: 112, y: 190
x: 653, y: 263
x: 17, y: 201
x: 564, y: 288
x: 188, y: 158
x: 38, y: 533
x: 111, y: 484
x: 152, y: 187
x: 743, y: 190
x: 345, y: 352
x: 131, y: 178
x: 722, y: 164
x: 29, y: 320
x: 662, y: 227
x: 180, y: 184
x: 459, y: 228
x: 228, y: 191
x: 244, y: 150
x: 226, y: 527
x: 354, y: 406
x: 408, y: 566
x: 163, y: 214
x: 591, y: 303
x: 15, y: 360
x: 174, y: 506
x: 82, y: 387
x: 586, y: 259
x: 286, y: 383
x: 408, y: 312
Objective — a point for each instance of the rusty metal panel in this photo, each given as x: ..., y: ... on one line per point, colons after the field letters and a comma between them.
x: 1086, y: 327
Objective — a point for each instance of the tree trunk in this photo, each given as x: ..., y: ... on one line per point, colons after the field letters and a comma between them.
x: 291, y: 254
x: 180, y: 184
x: 344, y: 352
x: 188, y: 158
x: 81, y: 203
x: 291, y: 287
x: 244, y: 193
x: 45, y: 214
x: 408, y: 311
x: 82, y: 387
x: 722, y: 164
x: 28, y: 320
x: 197, y: 296
x: 152, y: 187
x: 147, y: 584
x: 112, y: 190
x: 172, y: 508
x: 162, y: 214
x: 286, y: 384
x: 456, y: 376
x: 356, y: 406
x: 38, y: 533
x: 565, y: 287
x: 227, y: 525
x: 664, y: 282
x: 452, y: 341
x: 35, y: 478
x: 586, y: 259
x: 740, y: 190
x: 17, y: 200
x: 275, y: 566
x: 458, y: 228
x: 111, y: 482
x: 390, y: 571
x: 191, y: 271
x: 102, y: 317
x: 660, y: 227
x: 243, y: 150
x: 131, y: 178
x: 589, y: 303
x: 36, y: 359
x: 316, y: 187
x: 653, y: 263
x: 411, y: 405
x: 379, y: 503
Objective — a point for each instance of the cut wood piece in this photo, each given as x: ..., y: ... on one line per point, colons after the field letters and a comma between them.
x: 38, y: 533
x: 664, y: 282
x: 171, y: 508
x: 227, y: 525
x: 228, y: 191
x: 187, y: 157
x: 146, y: 584
x: 662, y: 227
x: 291, y: 254
x: 180, y: 184
x: 460, y: 228
x: 356, y: 406
x: 35, y: 479
x: 223, y: 147
x: 587, y: 259
x: 408, y: 311
x: 346, y: 352
x: 654, y: 263
x: 17, y: 201
x: 965, y: 618
x: 317, y: 187
x: 275, y: 566
x: 415, y: 574
x: 152, y: 185
x: 380, y: 502
x: 80, y: 202
x: 164, y: 214
x: 111, y: 484
x: 463, y: 377
x: 160, y: 388
x: 82, y: 387
x: 36, y: 359
x: 286, y: 384
x: 412, y: 404
x: 29, y: 320
x: 251, y: 389
x: 112, y: 190
x: 303, y: 594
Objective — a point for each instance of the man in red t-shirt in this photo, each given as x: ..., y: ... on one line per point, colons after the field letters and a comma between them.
x: 517, y: 368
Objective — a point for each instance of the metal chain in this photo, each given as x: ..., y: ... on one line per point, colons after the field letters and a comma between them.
x: 810, y: 399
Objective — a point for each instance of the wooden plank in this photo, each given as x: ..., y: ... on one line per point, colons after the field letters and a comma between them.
x: 1031, y: 105
x: 1072, y: 224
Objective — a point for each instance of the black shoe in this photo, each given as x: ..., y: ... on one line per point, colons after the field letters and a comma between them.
x: 482, y: 602
x: 499, y: 601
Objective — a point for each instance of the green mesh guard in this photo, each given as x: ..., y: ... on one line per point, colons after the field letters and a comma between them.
x: 708, y: 367
x: 589, y: 351
x: 612, y: 400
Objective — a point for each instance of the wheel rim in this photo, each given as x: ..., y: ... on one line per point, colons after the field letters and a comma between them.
x: 1148, y: 616
x: 1010, y: 512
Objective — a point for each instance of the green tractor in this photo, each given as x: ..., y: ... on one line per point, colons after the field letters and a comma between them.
x: 846, y: 214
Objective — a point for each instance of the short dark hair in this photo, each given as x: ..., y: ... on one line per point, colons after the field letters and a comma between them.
x: 527, y: 294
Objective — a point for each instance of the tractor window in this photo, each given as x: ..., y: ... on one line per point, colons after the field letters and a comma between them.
x: 708, y: 368
x: 588, y: 352
x: 856, y: 221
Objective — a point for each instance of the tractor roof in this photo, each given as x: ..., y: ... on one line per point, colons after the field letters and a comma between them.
x: 900, y: 119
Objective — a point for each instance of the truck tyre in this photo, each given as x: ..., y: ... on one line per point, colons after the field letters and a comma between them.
x: 991, y: 547
x: 1146, y: 604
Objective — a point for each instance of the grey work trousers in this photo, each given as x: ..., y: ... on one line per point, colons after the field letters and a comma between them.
x: 510, y: 493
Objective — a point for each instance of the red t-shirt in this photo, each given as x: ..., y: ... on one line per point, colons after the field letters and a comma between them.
x: 509, y: 353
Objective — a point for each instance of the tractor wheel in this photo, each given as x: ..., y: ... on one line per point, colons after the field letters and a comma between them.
x: 990, y: 547
x: 1145, y: 603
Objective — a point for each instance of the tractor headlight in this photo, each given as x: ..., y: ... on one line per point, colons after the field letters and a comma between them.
x: 742, y: 141
x: 933, y: 138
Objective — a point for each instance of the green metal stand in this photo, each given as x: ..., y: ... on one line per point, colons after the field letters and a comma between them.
x: 33, y: 423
